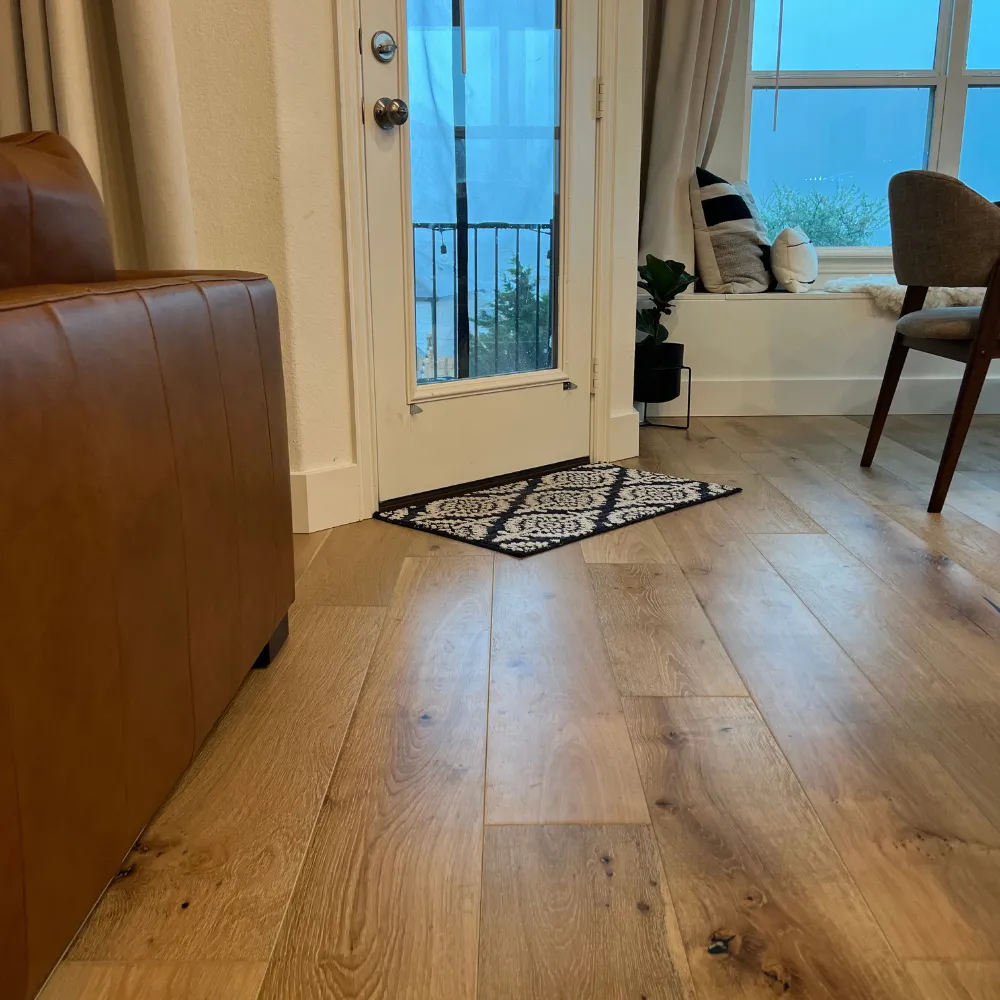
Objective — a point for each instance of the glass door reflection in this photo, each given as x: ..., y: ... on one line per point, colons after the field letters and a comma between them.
x: 484, y: 95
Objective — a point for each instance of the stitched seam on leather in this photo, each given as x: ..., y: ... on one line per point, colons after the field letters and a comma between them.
x: 270, y: 452
x: 88, y: 291
x: 180, y: 506
x: 106, y: 517
x: 240, y: 667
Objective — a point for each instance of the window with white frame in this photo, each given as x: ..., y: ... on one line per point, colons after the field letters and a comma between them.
x: 867, y: 88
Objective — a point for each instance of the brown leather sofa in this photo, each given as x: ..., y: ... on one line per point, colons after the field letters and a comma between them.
x: 146, y: 537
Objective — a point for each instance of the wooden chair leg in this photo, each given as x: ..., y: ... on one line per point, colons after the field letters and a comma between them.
x: 893, y: 370
x: 965, y: 409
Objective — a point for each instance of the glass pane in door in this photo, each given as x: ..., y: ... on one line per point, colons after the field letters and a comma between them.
x: 484, y: 96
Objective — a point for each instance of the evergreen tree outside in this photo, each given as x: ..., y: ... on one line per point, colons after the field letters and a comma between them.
x: 510, y: 331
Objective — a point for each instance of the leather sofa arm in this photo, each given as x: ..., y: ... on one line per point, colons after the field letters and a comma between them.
x: 146, y: 512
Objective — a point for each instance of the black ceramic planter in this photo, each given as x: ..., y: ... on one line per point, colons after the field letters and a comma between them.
x: 658, y: 371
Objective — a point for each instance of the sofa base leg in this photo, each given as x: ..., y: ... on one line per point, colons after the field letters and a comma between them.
x: 273, y: 647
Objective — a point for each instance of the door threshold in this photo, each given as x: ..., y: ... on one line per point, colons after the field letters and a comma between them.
x: 480, y: 484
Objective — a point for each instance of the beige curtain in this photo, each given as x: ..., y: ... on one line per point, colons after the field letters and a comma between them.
x: 102, y: 73
x: 688, y: 57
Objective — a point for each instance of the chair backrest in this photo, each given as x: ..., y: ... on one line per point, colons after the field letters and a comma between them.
x: 943, y: 233
x: 51, y: 215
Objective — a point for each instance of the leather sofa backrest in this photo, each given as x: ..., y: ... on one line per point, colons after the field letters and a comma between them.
x: 52, y: 224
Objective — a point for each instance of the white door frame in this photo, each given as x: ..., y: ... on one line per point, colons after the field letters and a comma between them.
x: 614, y: 424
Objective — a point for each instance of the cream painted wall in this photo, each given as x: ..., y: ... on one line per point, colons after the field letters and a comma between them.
x: 259, y: 106
x: 819, y: 353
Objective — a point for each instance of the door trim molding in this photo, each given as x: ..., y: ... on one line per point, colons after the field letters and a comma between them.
x: 356, y: 257
x: 607, y: 51
x: 614, y: 422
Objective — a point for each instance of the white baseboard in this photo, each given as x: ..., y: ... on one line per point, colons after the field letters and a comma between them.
x: 324, y: 498
x: 623, y: 436
x: 821, y: 397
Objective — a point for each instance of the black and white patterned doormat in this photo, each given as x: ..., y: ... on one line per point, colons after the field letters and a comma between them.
x: 535, y: 515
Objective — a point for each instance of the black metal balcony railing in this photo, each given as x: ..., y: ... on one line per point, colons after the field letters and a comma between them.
x: 492, y: 312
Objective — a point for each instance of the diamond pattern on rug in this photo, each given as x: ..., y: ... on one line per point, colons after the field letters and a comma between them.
x: 534, y: 515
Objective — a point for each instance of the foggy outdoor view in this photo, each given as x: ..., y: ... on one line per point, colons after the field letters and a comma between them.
x: 484, y: 251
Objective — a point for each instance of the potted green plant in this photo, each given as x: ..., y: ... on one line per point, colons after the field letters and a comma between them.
x: 658, y: 361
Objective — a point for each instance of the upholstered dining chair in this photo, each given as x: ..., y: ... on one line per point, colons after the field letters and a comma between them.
x: 943, y: 235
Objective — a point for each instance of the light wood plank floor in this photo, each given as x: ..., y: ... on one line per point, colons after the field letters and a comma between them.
x: 744, y: 750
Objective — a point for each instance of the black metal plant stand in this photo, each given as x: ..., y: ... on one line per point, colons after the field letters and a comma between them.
x: 677, y: 427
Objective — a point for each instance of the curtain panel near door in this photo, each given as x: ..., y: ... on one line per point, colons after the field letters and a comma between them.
x: 103, y: 74
x: 687, y: 61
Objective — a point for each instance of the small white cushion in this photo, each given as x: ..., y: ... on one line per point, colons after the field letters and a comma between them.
x: 794, y: 261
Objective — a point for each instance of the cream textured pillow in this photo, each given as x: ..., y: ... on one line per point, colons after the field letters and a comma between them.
x: 794, y: 261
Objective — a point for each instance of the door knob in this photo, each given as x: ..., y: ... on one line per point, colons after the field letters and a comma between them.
x: 390, y: 112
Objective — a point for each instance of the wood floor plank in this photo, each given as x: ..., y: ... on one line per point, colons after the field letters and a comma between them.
x: 357, y: 565
x: 703, y: 453
x: 760, y: 507
x: 578, y: 911
x: 155, y: 981
x: 658, y: 637
x: 805, y: 438
x: 636, y: 543
x: 966, y: 493
x: 909, y: 834
x: 984, y: 441
x: 764, y: 902
x: 950, y: 703
x: 656, y: 455
x: 559, y: 748
x: 388, y: 901
x: 211, y: 875
x: 957, y: 980
x: 304, y: 549
x: 957, y: 600
x: 988, y: 479
x: 953, y: 534
x: 926, y: 433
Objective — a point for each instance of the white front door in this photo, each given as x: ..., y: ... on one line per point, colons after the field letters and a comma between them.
x: 481, y: 211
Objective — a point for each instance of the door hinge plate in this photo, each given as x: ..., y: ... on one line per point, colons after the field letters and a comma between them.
x: 594, y: 372
x: 601, y: 97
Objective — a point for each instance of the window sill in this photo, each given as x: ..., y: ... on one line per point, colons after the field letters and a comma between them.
x: 813, y: 296
x: 852, y: 254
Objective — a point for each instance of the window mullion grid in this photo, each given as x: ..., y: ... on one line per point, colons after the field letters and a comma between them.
x: 949, y: 105
x: 933, y: 80
x: 948, y: 83
x: 838, y: 79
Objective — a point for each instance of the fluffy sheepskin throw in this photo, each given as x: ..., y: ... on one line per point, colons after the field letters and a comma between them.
x: 888, y: 295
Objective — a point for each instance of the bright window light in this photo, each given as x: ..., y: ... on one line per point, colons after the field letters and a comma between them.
x: 984, y: 40
x: 828, y: 165
x: 848, y: 35
x: 981, y: 147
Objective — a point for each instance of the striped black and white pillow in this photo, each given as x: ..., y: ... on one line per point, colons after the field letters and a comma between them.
x: 731, y: 245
